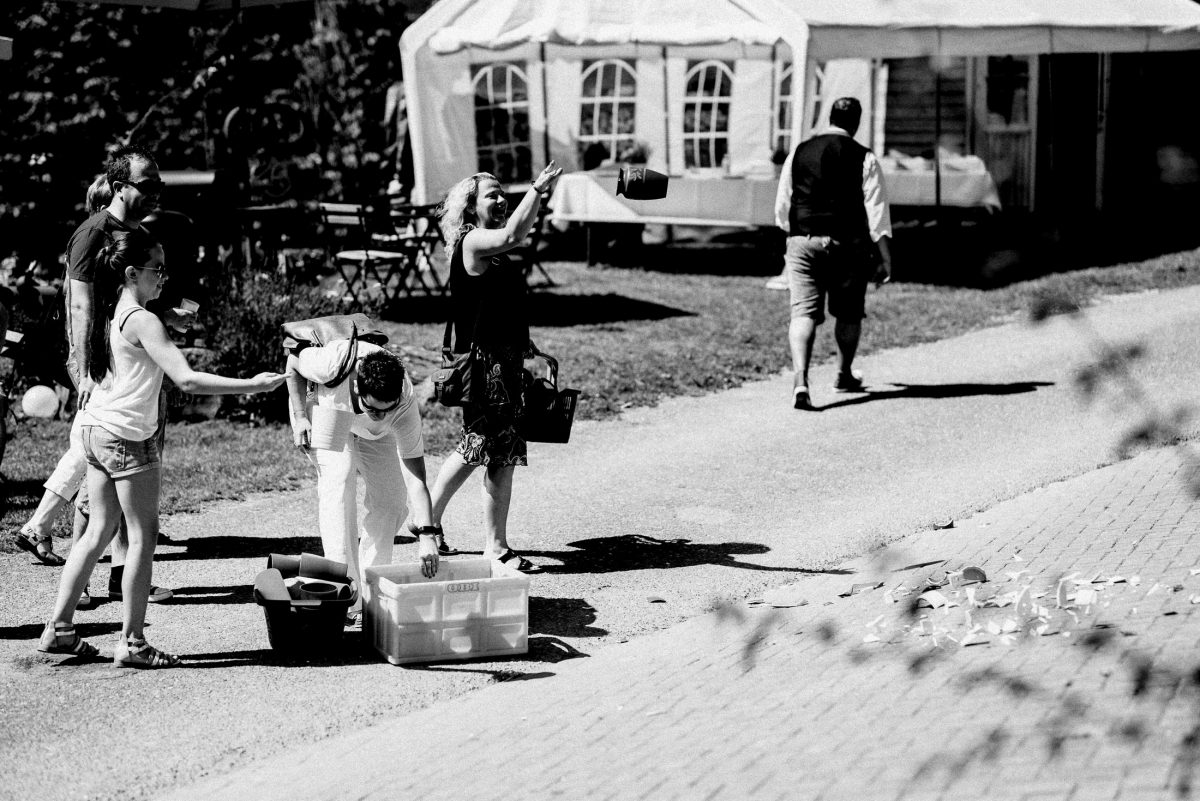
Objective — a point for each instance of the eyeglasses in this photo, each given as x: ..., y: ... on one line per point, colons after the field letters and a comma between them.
x: 375, y: 410
x: 160, y: 270
x: 148, y: 186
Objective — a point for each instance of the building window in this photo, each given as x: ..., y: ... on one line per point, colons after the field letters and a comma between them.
x: 502, y: 122
x: 706, y: 114
x: 606, y: 111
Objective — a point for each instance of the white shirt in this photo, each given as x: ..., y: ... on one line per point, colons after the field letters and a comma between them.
x: 320, y: 364
x: 879, y: 217
x: 125, y: 403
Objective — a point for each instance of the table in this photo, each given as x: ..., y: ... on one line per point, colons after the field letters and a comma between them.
x: 966, y: 182
x: 737, y: 202
x: 725, y: 202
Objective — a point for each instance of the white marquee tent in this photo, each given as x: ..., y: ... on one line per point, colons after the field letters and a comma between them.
x: 447, y: 50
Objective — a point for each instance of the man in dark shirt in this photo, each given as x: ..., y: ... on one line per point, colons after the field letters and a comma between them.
x: 831, y: 202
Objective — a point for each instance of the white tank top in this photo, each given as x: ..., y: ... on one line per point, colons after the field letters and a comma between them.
x: 125, y: 403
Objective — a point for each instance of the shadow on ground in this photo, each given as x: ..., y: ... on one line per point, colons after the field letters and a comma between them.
x: 547, y: 309
x: 238, y: 547
x: 638, y: 552
x: 936, y: 392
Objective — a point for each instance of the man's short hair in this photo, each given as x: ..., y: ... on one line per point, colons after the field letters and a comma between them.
x: 120, y: 165
x: 381, y: 375
x: 846, y: 113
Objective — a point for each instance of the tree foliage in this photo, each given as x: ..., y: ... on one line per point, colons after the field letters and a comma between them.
x: 86, y: 78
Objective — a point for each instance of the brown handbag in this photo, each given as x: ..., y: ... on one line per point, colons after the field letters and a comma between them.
x: 320, y: 331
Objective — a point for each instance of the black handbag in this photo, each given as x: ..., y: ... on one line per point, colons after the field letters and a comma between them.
x: 458, y: 381
x: 549, y: 411
x: 320, y: 331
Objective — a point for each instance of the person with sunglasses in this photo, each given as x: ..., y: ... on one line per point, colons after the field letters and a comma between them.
x: 117, y: 202
x: 118, y: 430
x: 366, y: 424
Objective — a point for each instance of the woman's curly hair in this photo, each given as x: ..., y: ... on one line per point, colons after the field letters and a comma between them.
x: 457, y: 212
x: 125, y: 249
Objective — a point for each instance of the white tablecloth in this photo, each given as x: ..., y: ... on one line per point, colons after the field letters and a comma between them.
x: 745, y: 202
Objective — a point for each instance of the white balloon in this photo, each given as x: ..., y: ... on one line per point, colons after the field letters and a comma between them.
x: 39, y: 401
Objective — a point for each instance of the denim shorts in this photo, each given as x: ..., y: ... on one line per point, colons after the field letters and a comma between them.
x: 820, y: 267
x: 117, y: 457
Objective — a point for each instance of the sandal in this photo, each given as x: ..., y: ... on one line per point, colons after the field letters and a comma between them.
x: 60, y: 638
x: 518, y: 562
x: 29, y: 540
x: 444, y: 549
x: 85, y: 600
x: 135, y: 652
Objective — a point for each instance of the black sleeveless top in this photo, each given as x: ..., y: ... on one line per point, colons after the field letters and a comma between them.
x: 498, y: 297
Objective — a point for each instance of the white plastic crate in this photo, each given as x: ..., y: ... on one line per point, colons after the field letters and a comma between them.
x: 472, y: 608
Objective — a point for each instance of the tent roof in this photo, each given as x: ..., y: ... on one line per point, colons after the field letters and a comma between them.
x: 500, y: 24
x: 836, y: 28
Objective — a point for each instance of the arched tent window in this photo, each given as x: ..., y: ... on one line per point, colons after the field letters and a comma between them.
x: 706, y: 113
x: 606, y: 111
x: 502, y: 122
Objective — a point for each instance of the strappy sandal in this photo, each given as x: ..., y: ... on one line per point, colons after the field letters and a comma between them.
x: 60, y: 638
x: 517, y: 562
x: 135, y: 652
x: 29, y: 540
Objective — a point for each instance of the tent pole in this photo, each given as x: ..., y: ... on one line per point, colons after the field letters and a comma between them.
x: 666, y: 111
x: 937, y: 140
x: 545, y: 108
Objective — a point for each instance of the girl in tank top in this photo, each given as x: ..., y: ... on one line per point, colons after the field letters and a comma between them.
x: 118, y: 425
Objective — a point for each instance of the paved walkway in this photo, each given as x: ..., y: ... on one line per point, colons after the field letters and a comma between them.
x: 1010, y: 691
x: 724, y: 496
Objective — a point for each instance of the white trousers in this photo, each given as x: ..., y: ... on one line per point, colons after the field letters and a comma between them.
x: 385, y: 502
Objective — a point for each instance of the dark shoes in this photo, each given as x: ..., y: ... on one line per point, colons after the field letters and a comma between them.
x: 849, y: 382
x: 801, y: 399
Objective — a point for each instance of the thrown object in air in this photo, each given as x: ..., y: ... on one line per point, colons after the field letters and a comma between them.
x: 40, y: 401
x: 639, y: 183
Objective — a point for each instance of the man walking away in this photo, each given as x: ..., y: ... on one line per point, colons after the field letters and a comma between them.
x: 832, y: 204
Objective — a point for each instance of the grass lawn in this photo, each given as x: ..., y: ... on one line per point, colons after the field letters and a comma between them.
x: 625, y: 337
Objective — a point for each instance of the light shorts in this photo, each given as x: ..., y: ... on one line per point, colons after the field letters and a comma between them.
x: 117, y: 457
x: 818, y: 266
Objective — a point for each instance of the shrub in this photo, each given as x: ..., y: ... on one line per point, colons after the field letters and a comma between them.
x: 244, y: 329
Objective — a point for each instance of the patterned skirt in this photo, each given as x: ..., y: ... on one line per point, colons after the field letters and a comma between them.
x: 489, y: 432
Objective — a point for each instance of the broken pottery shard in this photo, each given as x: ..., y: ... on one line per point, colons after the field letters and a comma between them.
x: 943, y: 525
x: 855, y: 589
x: 786, y: 596
x: 1085, y: 596
x: 656, y: 599
x: 871, y: 638
x: 1061, y: 598
x: 1023, y: 605
x: 973, y: 575
x: 932, y: 599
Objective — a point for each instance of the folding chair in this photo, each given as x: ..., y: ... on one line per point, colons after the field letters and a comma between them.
x: 417, y: 231
x: 347, y: 229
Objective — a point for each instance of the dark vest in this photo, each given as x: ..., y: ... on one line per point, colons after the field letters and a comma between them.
x: 827, y: 196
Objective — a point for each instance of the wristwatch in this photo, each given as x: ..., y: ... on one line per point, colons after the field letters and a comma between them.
x: 413, y: 528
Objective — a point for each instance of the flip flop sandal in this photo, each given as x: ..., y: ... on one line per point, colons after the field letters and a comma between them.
x: 135, y: 652
x: 28, y: 541
x: 521, y: 564
x: 60, y: 638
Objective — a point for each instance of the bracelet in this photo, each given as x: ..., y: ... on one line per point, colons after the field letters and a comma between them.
x: 413, y: 528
